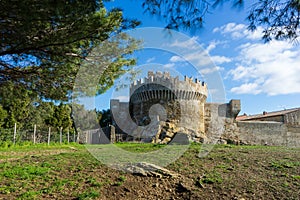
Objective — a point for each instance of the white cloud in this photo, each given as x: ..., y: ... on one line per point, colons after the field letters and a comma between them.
x: 265, y: 52
x: 238, y: 31
x: 169, y: 65
x: 212, y: 45
x: 176, y: 59
x: 149, y: 60
x: 188, y: 44
x: 200, y: 58
x: 122, y: 98
x: 220, y: 59
x: 198, y: 55
x: 242, y: 73
x: 272, y: 68
x: 246, y: 88
x: 211, y: 70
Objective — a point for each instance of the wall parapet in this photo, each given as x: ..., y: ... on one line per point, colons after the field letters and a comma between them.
x: 162, y: 86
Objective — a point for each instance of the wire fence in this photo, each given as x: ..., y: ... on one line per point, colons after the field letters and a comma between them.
x: 42, y: 134
x: 38, y: 134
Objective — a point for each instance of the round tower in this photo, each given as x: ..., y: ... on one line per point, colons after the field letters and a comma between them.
x: 164, y: 98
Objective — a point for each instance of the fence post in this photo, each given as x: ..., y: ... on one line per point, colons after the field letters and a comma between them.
x: 60, y: 135
x: 78, y: 137
x: 68, y: 136
x: 86, y: 136
x: 49, y: 135
x: 34, y: 133
x: 15, y: 133
x: 74, y: 139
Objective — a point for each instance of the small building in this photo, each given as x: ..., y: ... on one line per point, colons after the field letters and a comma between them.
x: 287, y: 116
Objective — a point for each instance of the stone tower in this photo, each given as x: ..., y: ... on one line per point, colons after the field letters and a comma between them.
x: 164, y: 98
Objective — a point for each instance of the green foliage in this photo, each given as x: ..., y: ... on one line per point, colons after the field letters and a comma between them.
x: 3, y: 115
x: 212, y: 178
x: 178, y: 13
x: 43, y: 44
x: 6, y: 144
x: 15, y: 100
x: 120, y: 181
x: 279, y: 19
x: 84, y: 119
x: 25, y: 172
x: 104, y: 118
x: 61, y: 116
x: 29, y: 195
x: 24, y: 108
x: 296, y: 177
x: 90, y: 194
x: 283, y: 164
x: 139, y: 147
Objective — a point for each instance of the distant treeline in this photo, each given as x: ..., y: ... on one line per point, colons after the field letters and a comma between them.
x: 25, y: 108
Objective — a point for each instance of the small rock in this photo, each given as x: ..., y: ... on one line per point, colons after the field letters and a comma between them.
x: 155, y: 185
x: 166, y: 140
x: 126, y: 189
x: 182, y: 188
x: 73, y: 148
x: 169, y: 134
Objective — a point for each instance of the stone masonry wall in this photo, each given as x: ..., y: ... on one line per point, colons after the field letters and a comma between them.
x: 292, y: 118
x: 262, y: 133
x: 269, y: 133
x: 219, y: 121
x: 293, y: 136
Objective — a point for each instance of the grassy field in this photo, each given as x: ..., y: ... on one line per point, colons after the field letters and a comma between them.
x: 228, y: 172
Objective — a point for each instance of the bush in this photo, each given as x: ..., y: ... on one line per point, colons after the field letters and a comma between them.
x: 6, y: 144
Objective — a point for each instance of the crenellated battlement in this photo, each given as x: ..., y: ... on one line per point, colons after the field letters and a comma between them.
x: 162, y: 85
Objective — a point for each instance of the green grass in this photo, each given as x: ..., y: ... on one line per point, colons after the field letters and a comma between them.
x: 28, y: 146
x: 211, y: 178
x: 60, y: 172
x: 139, y: 147
x: 90, y: 194
x: 282, y: 164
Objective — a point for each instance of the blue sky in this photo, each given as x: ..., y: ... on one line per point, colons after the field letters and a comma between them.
x: 265, y: 77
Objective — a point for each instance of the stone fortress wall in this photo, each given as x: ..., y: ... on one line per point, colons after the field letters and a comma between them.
x: 283, y: 130
x: 268, y: 133
x: 165, y: 105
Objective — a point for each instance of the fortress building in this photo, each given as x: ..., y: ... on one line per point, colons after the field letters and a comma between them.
x: 161, y: 106
x: 162, y: 109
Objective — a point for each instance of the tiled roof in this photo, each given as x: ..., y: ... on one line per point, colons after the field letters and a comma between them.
x: 267, y: 114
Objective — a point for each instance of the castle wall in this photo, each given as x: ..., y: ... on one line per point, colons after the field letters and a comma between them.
x: 219, y: 121
x: 260, y: 132
x: 269, y: 133
x: 192, y: 115
x: 293, y: 136
x: 292, y: 118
